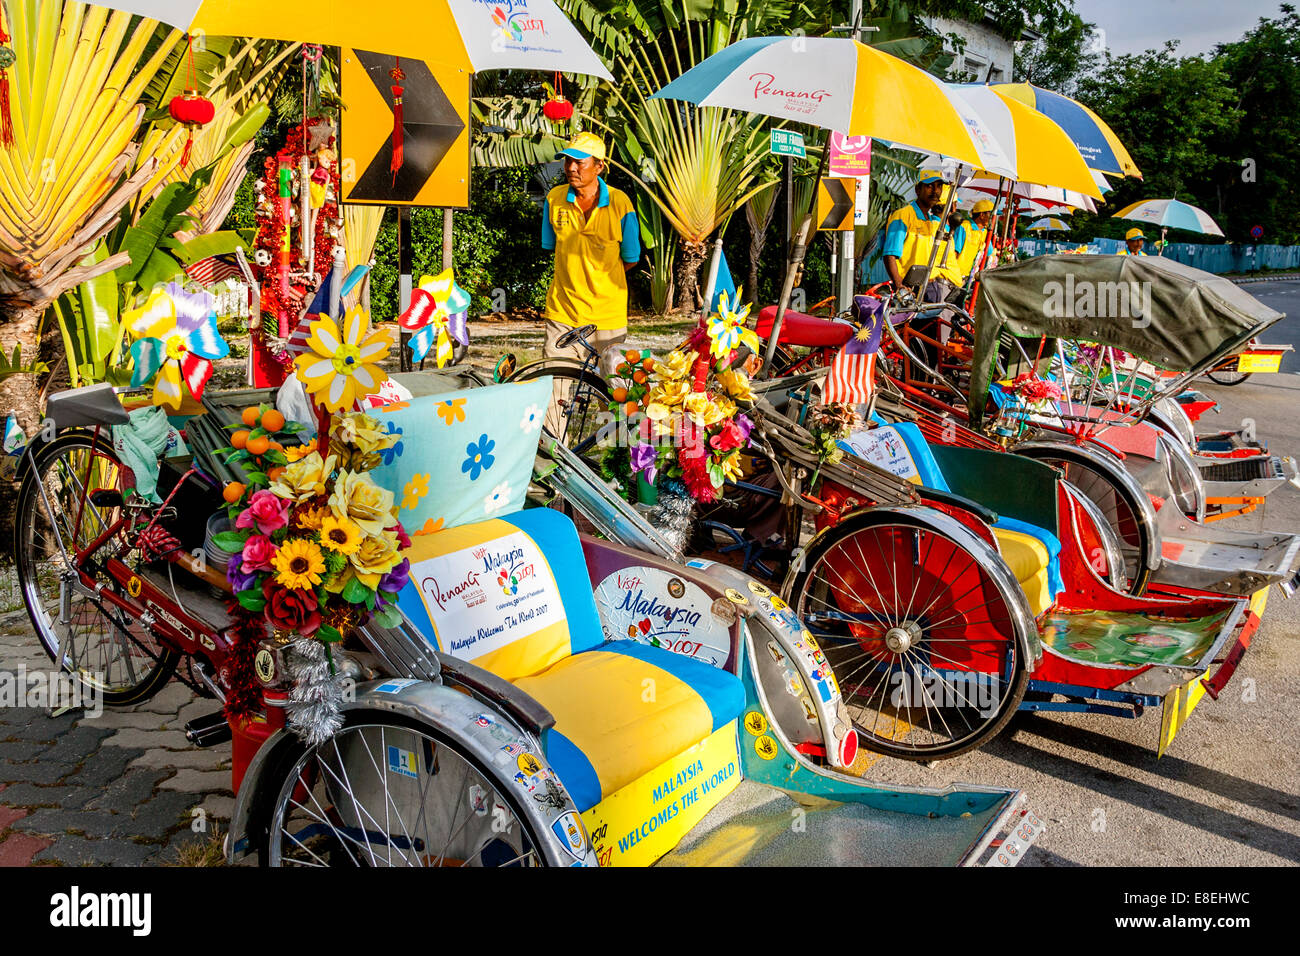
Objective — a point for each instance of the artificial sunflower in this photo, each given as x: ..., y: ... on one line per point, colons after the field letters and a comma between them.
x: 311, y: 518
x: 299, y: 452
x: 340, y: 534
x: 298, y: 564
x: 340, y: 365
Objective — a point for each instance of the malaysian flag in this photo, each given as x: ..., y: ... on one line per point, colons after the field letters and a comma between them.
x: 213, y: 269
x: 852, y: 373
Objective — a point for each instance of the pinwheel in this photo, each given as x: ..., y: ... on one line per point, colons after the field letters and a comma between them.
x: 727, y: 330
x: 177, y: 342
x: 436, y: 315
x: 341, y: 364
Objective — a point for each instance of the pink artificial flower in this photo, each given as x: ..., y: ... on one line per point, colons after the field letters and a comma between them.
x: 258, y: 551
x: 403, y: 539
x: 265, y: 513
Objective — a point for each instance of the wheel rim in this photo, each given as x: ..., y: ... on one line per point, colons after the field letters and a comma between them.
x: 84, y: 634
x: 383, y: 795
x: 582, y: 410
x: 919, y: 637
x: 1098, y: 489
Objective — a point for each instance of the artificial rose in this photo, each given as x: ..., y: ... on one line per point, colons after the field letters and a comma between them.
x: 731, y: 436
x: 305, y: 479
x: 258, y: 552
x: 291, y: 610
x: 736, y: 384
x: 673, y: 366
x: 701, y: 410
x: 356, y: 496
x: 403, y: 539
x: 670, y: 394
x: 396, y: 579
x: 265, y: 513
x: 377, y: 556
x: 362, y: 432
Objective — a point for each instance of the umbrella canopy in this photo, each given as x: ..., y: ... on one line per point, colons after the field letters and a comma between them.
x: 1171, y: 214
x: 1049, y: 198
x: 1049, y: 224
x: 1040, y: 152
x: 837, y: 84
x: 462, y: 34
x: 1189, y: 319
x: 1096, y: 141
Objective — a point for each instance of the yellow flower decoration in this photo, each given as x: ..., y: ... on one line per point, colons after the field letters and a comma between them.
x: 362, y: 432
x: 701, y: 410
x: 298, y: 564
x: 725, y: 406
x: 415, y: 489
x: 340, y: 535
x: 340, y: 365
x: 311, y: 519
x: 731, y: 469
x: 298, y: 452
x: 304, y: 479
x: 737, y: 384
x: 673, y: 366
x: 452, y: 411
x: 377, y: 556
x: 356, y: 496
x: 727, y: 330
x: 671, y: 394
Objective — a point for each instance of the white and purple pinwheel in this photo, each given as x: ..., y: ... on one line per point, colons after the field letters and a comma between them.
x: 437, y: 317
x: 177, y: 342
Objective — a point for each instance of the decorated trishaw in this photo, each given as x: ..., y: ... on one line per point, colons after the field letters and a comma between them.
x: 417, y: 667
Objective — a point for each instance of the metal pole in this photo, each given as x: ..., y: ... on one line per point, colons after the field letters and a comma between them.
x: 806, y: 230
x: 848, y: 280
x: 404, y: 278
x: 711, y: 283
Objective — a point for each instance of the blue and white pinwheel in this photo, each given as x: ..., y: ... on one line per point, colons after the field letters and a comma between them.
x: 727, y: 330
x: 436, y: 315
x: 177, y: 342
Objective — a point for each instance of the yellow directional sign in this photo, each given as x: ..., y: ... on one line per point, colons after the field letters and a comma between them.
x: 435, y: 132
x: 835, y: 200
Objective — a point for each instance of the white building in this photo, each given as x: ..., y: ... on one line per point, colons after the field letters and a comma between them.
x: 988, y: 56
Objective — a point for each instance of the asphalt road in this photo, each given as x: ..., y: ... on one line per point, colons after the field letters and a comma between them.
x: 1227, y: 792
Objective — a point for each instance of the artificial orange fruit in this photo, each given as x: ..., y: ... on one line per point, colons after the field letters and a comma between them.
x: 233, y: 492
x: 620, y: 395
x: 272, y: 420
x: 275, y: 472
x: 250, y: 416
x: 275, y: 445
x: 239, y: 439
x: 639, y: 377
x: 258, y: 445
x: 648, y: 364
x: 631, y: 408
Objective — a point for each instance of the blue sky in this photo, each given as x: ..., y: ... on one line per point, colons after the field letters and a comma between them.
x: 1135, y: 25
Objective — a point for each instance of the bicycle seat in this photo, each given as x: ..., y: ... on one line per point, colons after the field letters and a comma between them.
x: 799, y: 328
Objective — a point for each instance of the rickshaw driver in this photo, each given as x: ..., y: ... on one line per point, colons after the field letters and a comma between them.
x: 1134, y: 240
x: 910, y: 235
x: 593, y: 230
x: 974, y: 233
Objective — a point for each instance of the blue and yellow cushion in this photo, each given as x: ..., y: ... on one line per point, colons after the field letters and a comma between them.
x: 463, y: 456
x: 623, y: 709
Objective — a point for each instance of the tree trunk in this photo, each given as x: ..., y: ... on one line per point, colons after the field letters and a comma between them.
x: 20, y: 396
x: 688, y: 275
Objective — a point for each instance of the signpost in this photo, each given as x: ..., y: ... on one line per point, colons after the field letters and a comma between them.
x: 835, y: 204
x: 787, y: 142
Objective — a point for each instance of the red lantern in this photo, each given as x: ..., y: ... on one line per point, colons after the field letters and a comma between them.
x: 192, y: 111
x: 558, y: 109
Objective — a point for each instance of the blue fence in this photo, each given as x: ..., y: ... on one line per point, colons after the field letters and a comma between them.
x: 1210, y: 258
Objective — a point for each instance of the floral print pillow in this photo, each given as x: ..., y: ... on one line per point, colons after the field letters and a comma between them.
x: 463, y: 456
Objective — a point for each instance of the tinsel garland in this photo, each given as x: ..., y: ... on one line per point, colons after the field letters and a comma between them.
x: 243, y: 691
x: 674, y: 514
x: 314, y: 701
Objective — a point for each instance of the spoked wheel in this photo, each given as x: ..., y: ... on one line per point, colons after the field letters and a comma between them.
x: 383, y: 792
x: 580, y: 404
x: 1227, y: 375
x: 919, y: 630
x: 115, y: 657
x: 1117, y: 504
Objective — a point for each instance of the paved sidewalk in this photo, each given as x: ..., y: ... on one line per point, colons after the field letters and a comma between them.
x: 125, y: 788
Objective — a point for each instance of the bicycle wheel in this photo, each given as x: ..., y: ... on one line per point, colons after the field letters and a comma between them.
x: 118, y: 659
x: 581, y: 399
x: 919, y: 630
x: 385, y: 792
x: 1227, y: 375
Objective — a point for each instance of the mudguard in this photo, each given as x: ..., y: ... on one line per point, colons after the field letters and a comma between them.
x: 480, y: 731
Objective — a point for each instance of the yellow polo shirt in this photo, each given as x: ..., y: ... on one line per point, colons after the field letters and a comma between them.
x: 972, y: 247
x: 910, y: 235
x: 590, y: 284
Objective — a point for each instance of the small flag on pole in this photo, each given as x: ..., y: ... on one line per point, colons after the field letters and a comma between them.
x: 213, y: 269
x: 853, y: 370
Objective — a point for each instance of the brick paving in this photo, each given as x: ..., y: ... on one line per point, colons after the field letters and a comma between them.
x: 124, y: 788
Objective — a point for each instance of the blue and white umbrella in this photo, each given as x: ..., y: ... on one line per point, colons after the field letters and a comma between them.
x: 1171, y: 214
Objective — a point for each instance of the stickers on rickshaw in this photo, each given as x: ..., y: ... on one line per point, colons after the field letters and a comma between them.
x: 759, y: 589
x: 765, y: 747
x: 403, y: 762
x: 654, y: 607
x: 724, y: 611
x: 735, y: 597
x: 884, y: 447
x: 755, y: 722
x: 489, y: 595
x: 396, y: 686
x: 569, y: 829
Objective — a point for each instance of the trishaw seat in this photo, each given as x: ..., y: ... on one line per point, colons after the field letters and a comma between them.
x: 799, y: 328
x: 513, y: 596
x: 1031, y: 552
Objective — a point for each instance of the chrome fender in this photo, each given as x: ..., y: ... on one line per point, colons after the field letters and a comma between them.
x: 484, y: 733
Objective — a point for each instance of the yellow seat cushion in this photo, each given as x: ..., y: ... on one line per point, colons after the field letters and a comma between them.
x: 1027, y: 558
